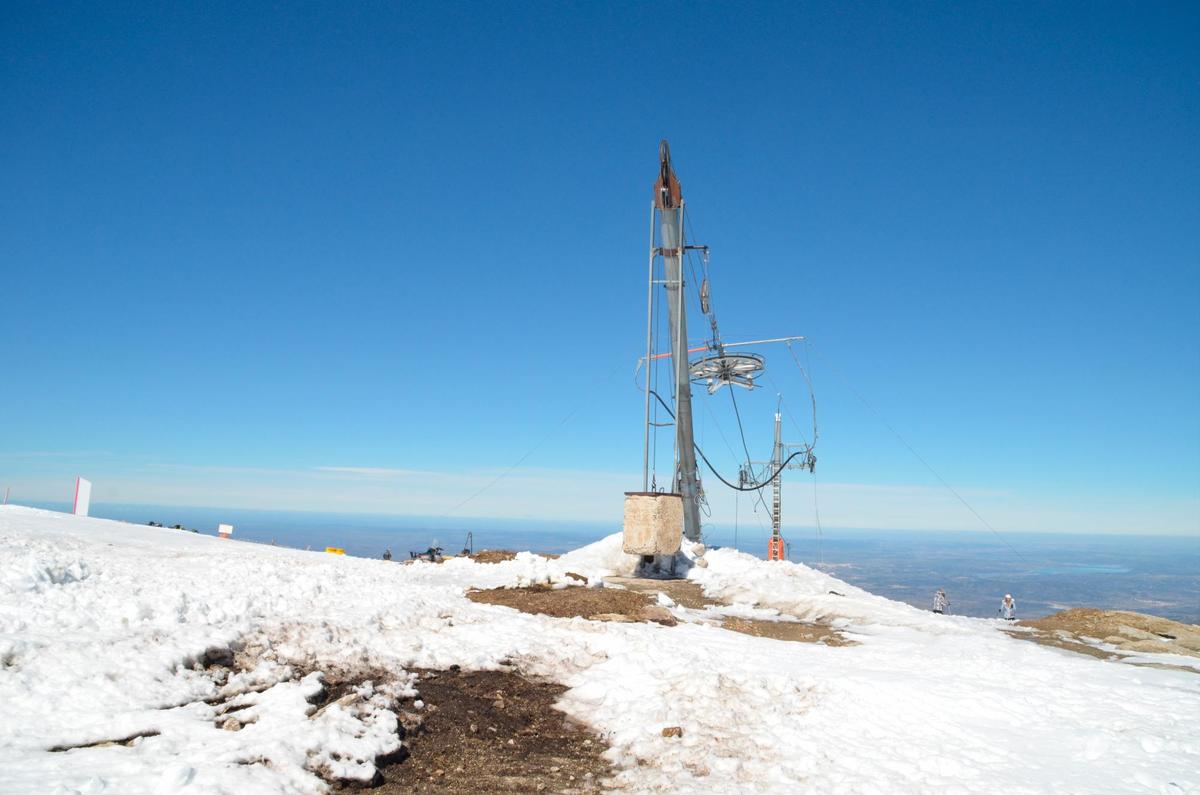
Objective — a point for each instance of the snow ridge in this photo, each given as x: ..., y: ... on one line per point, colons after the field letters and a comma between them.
x: 107, y: 632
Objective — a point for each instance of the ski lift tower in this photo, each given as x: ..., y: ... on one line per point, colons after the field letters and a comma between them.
x: 781, y: 459
x: 667, y: 243
x: 655, y: 520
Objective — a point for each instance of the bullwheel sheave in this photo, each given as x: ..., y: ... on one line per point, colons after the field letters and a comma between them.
x: 721, y: 369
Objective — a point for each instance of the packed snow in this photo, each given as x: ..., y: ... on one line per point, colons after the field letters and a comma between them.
x: 105, y: 629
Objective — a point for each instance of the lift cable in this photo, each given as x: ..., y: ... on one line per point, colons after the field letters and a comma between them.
x: 579, y: 406
x: 649, y: 366
x: 817, y: 514
x: 691, y: 233
x: 924, y: 463
x: 745, y: 447
x: 741, y: 430
x: 786, y: 409
x: 713, y: 469
x: 720, y: 432
x: 736, y: 496
x: 812, y: 395
x: 818, y: 530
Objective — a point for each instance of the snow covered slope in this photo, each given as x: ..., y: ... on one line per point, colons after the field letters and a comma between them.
x: 103, y: 624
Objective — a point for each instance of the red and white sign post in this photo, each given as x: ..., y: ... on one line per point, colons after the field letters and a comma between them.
x: 83, y: 496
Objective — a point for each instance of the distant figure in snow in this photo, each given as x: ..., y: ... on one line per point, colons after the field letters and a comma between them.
x: 387, y: 554
x: 1008, y: 608
x: 940, y: 602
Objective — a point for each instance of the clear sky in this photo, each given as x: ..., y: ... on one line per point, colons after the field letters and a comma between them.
x: 367, y: 256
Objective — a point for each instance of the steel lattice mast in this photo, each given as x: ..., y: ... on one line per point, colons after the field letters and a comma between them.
x: 781, y: 455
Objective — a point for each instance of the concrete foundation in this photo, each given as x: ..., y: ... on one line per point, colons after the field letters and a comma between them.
x: 653, y: 523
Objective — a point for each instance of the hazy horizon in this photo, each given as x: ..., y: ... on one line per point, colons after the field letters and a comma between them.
x: 746, y: 529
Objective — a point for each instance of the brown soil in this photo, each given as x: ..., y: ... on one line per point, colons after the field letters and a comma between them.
x: 689, y: 594
x: 494, y: 731
x: 599, y: 604
x: 1133, y: 632
x: 1068, y: 642
x: 801, y: 632
x: 493, y: 555
x: 634, y: 600
x: 683, y: 592
x: 476, y: 731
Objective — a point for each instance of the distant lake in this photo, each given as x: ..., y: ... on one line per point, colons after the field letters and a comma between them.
x: 1045, y: 573
x: 1082, y: 569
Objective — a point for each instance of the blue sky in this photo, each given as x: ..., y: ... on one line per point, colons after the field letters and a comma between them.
x: 364, y: 257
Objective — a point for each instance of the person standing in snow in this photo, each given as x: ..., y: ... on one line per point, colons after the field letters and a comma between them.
x: 940, y: 602
x: 1008, y: 608
x: 387, y: 554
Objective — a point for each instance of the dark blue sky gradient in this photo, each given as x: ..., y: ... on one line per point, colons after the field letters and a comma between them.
x: 408, y: 236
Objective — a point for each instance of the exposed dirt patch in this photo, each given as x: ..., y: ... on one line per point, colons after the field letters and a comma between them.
x: 635, y: 599
x: 800, y: 632
x: 689, y: 594
x: 475, y: 731
x: 600, y: 604
x: 495, y: 731
x: 684, y: 592
x: 1131, y: 632
x: 493, y: 555
x: 1066, y: 641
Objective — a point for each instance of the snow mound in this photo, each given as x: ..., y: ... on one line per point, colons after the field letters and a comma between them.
x: 810, y: 595
x: 139, y: 660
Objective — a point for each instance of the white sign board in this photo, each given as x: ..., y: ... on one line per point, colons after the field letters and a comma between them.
x: 224, y: 530
x: 83, y: 496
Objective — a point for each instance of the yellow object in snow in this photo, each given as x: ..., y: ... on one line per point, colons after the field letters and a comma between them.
x: 335, y: 550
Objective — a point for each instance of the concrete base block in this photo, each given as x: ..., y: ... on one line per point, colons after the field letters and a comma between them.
x: 653, y: 523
